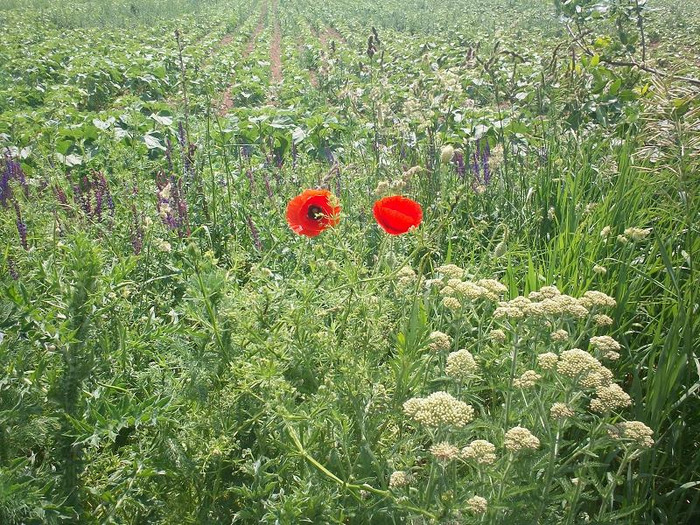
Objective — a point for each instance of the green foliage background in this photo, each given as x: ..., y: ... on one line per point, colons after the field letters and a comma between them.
x: 228, y: 370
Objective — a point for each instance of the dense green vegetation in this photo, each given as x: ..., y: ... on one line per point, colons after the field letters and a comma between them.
x: 172, y: 352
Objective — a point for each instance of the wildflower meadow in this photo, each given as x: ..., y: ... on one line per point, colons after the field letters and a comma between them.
x: 349, y: 262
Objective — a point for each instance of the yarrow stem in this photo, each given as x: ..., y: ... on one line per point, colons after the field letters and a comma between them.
x: 513, y: 367
x: 353, y: 486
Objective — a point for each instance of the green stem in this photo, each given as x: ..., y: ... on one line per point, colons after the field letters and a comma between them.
x: 513, y: 367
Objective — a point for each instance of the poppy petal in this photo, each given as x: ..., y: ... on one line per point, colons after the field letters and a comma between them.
x: 397, y: 214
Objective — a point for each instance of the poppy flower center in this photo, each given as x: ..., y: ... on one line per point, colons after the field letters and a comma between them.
x: 315, y: 213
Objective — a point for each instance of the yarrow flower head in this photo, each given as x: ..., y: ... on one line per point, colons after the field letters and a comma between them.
x: 444, y: 451
x: 439, y: 408
x: 546, y: 303
x: 406, y: 275
x: 497, y: 335
x: 477, y: 504
x: 398, y: 479
x: 637, y: 234
x: 634, y: 431
x: 559, y: 336
x: 527, y: 380
x: 560, y: 411
x: 473, y: 291
x: 576, y: 363
x: 492, y: 285
x: 594, y: 298
x: 451, y: 303
x: 450, y: 271
x: 607, y: 345
x: 520, y: 438
x: 610, y: 397
x: 548, y: 360
x: 602, y: 320
x: 480, y: 450
x: 600, y: 270
x: 439, y: 341
x: 460, y: 365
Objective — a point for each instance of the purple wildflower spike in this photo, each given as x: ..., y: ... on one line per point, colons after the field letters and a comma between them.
x: 21, y: 226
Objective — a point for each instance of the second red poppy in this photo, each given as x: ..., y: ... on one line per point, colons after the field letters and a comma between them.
x: 397, y: 214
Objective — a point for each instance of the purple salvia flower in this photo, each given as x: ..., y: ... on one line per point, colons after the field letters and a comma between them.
x: 85, y: 200
x: 266, y: 179
x: 98, y: 205
x: 5, y: 190
x: 60, y: 195
x: 182, y: 217
x: 254, y: 233
x: 12, y: 269
x: 105, y: 189
x: 181, y: 138
x: 21, y: 227
x: 251, y: 180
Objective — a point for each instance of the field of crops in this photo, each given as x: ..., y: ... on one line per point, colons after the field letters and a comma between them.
x: 353, y: 262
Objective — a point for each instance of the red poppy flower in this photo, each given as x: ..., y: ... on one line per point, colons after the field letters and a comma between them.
x: 312, y: 212
x: 397, y: 214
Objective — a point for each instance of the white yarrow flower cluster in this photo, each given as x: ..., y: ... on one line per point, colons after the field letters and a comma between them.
x: 497, y: 335
x: 450, y: 271
x: 460, y: 365
x: 406, y: 276
x: 637, y: 234
x: 398, y: 479
x: 610, y: 397
x: 444, y: 451
x: 548, y: 360
x: 539, y: 304
x: 559, y: 336
x: 580, y: 365
x: 439, y: 408
x: 473, y: 291
x: 602, y: 320
x: 607, y: 345
x: 451, y: 303
x: 635, y: 431
x: 520, y: 438
x: 480, y: 450
x: 560, y: 411
x: 493, y: 286
x: 439, y: 341
x: 477, y: 504
x: 594, y: 298
x: 527, y: 380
